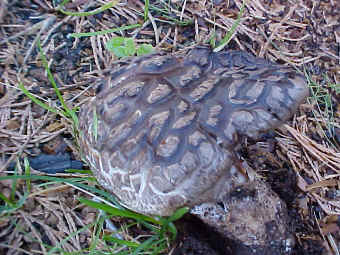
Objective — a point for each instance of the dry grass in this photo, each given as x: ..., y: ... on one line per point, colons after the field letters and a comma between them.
x: 304, y: 34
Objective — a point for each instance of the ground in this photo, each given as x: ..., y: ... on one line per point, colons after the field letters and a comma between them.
x: 300, y: 160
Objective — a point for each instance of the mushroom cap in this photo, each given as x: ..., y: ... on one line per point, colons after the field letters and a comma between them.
x: 160, y: 133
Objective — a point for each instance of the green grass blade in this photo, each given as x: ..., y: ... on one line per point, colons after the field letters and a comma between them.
x: 178, y: 214
x: 230, y: 33
x: 73, y: 181
x: 144, y: 245
x: 118, y: 212
x: 79, y: 171
x: 50, y: 76
x: 61, y: 4
x: 27, y: 173
x: 36, y: 100
x: 94, y: 12
x: 120, y: 241
x: 173, y: 230
x: 67, y: 111
x: 167, y: 224
x: 95, y: 234
x: 6, y: 200
x: 146, y: 10
x: 103, y: 32
x: 58, y: 246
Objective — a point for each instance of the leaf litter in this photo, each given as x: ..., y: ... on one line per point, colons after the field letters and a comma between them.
x: 304, y: 34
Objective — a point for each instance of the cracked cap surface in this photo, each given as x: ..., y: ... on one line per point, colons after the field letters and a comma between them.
x: 160, y: 132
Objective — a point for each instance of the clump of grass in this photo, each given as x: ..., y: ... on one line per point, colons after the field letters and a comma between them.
x: 11, y: 204
x: 322, y: 97
x: 163, y: 10
x: 162, y: 230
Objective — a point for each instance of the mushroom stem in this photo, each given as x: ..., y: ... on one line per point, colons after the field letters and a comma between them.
x: 253, y: 216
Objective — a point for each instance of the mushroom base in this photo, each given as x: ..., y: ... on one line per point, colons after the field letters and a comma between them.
x: 253, y: 216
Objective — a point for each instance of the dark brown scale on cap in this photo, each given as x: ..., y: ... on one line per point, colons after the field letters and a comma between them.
x: 159, y: 132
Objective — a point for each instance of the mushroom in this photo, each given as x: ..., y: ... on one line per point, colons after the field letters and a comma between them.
x: 161, y: 134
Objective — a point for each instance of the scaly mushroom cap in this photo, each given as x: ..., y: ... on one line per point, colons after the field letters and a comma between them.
x: 160, y: 132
